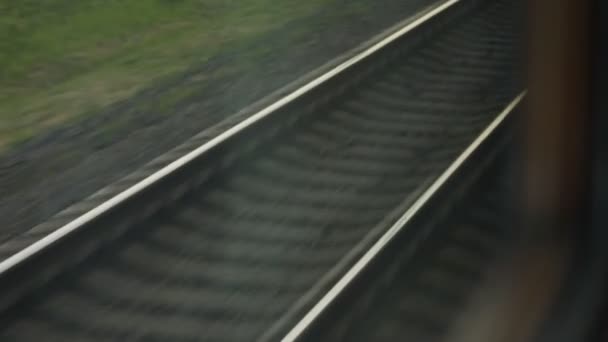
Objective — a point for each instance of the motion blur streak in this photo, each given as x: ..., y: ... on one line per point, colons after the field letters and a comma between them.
x: 555, y: 178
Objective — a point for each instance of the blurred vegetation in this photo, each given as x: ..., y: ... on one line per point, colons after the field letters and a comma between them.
x: 62, y: 58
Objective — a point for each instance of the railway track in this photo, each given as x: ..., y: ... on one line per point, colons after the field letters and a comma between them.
x: 423, y: 284
x: 250, y: 241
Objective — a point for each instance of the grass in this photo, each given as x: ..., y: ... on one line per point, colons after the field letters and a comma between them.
x: 60, y: 59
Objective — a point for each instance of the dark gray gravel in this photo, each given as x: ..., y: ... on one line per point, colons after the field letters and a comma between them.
x: 52, y: 171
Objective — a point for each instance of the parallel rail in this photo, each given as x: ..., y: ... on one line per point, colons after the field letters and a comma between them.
x: 185, y: 161
x: 256, y: 231
x: 351, y: 275
x: 424, y: 283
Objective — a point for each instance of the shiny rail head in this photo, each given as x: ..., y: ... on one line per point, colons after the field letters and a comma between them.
x: 349, y: 277
x: 187, y: 159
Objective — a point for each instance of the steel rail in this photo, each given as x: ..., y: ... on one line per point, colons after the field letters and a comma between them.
x: 350, y: 276
x: 182, y: 162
